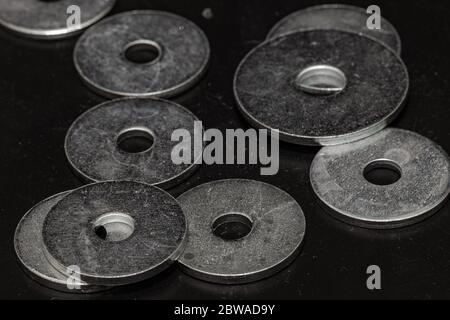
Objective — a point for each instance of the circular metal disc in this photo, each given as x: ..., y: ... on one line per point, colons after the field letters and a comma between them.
x: 339, y: 17
x: 28, y: 245
x: 149, y: 226
x: 337, y: 177
x: 183, y: 55
x: 267, y: 95
x: 278, y: 227
x: 92, y: 142
x: 49, y: 19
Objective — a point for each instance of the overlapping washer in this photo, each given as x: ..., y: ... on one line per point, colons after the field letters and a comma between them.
x: 51, y: 19
x: 321, y: 87
x: 116, y: 232
x: 142, y: 53
x: 337, y: 17
x: 28, y: 245
x: 240, y: 230
x: 339, y: 176
x: 99, y: 144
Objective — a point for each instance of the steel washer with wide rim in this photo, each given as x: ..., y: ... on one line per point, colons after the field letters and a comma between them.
x: 47, y: 20
x: 321, y: 87
x: 95, y: 143
x: 28, y: 245
x: 340, y: 178
x: 240, y: 231
x: 115, y: 232
x: 142, y: 54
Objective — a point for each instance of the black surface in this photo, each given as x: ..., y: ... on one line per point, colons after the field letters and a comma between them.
x: 41, y: 94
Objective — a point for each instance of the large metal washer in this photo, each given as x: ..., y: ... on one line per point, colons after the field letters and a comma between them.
x: 101, y: 61
x: 92, y: 142
x: 29, y: 250
x: 278, y: 228
x: 49, y: 19
x: 144, y: 232
x: 340, y: 17
x: 337, y: 177
x: 267, y: 94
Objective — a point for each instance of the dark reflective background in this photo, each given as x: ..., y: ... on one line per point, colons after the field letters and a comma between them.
x: 41, y: 94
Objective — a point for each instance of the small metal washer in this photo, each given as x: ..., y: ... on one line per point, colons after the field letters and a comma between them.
x: 143, y: 232
x: 337, y: 177
x: 49, y: 19
x: 92, y: 142
x: 278, y: 227
x: 181, y: 55
x: 28, y: 246
x: 339, y: 17
x: 374, y: 80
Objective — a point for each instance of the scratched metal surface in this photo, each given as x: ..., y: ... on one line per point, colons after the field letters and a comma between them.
x: 38, y: 19
x: 185, y: 53
x: 28, y: 246
x: 267, y: 95
x: 338, y: 180
x: 41, y: 95
x: 157, y: 239
x: 278, y: 228
x: 99, y: 128
x: 337, y: 16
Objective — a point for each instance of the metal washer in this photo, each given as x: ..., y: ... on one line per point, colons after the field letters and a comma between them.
x: 92, y: 149
x: 265, y: 87
x: 183, y: 55
x: 144, y: 232
x: 337, y: 177
x: 278, y: 227
x: 48, y: 19
x: 28, y: 246
x: 339, y: 17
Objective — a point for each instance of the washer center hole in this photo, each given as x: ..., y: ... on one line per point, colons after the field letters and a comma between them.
x: 321, y: 80
x: 382, y: 172
x: 114, y: 226
x: 232, y: 226
x: 143, y: 51
x: 135, y: 140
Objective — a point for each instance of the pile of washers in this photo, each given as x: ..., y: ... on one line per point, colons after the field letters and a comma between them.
x: 321, y: 78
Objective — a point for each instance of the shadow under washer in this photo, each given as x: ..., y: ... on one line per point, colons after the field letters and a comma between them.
x: 45, y: 19
x: 240, y: 231
x: 412, y: 182
x: 131, y: 139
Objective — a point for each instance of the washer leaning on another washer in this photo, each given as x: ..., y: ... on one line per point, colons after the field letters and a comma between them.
x: 115, y: 232
x: 28, y: 245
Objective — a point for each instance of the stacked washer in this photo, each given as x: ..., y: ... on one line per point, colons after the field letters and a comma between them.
x: 321, y: 78
x: 122, y: 228
x: 101, y: 235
